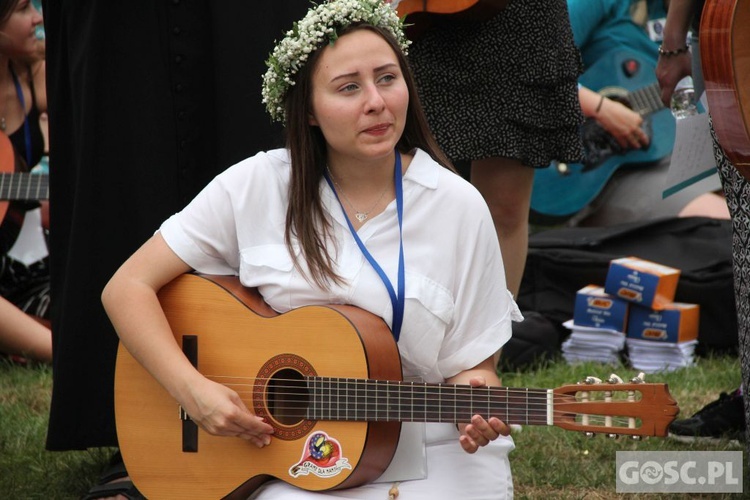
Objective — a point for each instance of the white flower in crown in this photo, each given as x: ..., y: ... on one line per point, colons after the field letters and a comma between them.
x: 320, y: 26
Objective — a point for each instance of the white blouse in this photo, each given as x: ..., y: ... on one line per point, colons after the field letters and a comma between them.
x: 458, y: 311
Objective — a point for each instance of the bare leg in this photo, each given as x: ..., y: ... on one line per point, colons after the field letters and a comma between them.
x: 23, y: 335
x: 506, y: 185
x: 707, y: 205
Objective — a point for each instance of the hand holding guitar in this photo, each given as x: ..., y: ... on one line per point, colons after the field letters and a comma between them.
x: 620, y: 121
x: 481, y: 432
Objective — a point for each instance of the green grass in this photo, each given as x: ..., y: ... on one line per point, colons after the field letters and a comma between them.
x: 548, y: 462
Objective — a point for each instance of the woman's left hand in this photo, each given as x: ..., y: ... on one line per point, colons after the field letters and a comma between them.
x: 481, y: 432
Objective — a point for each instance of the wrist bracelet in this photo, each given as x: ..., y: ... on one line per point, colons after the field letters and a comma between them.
x: 675, y: 52
x: 601, y: 101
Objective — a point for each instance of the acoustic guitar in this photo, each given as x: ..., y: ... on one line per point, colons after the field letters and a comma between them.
x: 421, y: 14
x: 328, y: 379
x: 725, y: 55
x: 561, y: 190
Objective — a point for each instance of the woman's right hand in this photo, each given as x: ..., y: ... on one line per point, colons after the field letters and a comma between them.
x: 220, y: 411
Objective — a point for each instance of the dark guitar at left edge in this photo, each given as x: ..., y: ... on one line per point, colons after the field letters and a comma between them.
x: 328, y: 378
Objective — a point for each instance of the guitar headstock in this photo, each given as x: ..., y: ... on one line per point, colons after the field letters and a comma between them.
x: 615, y: 408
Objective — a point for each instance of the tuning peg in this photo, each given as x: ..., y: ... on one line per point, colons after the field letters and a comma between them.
x: 639, y: 379
x: 591, y: 380
x: 614, y: 379
x: 636, y: 437
x: 613, y: 436
x: 589, y: 434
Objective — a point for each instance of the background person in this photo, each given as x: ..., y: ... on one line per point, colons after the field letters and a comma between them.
x: 139, y: 122
x: 504, y: 111
x: 634, y: 192
x: 725, y: 417
x: 24, y: 266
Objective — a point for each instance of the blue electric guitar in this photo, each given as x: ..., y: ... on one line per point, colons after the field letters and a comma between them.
x: 562, y: 190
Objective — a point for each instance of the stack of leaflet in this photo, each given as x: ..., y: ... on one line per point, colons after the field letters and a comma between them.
x: 587, y: 343
x: 662, y: 340
x: 635, y: 309
x: 650, y: 357
x: 597, y: 328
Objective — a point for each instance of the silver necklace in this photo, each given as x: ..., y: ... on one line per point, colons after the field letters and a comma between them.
x: 360, y: 215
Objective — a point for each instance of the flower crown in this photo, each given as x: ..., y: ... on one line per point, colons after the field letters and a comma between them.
x: 320, y: 25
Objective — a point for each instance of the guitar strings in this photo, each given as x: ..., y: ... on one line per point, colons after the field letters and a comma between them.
x: 435, y: 400
x: 380, y: 386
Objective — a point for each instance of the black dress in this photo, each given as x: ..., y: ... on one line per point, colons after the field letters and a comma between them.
x: 503, y: 87
x: 148, y: 100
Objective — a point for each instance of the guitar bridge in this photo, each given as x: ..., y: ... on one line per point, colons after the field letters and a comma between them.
x: 189, y: 428
x: 183, y: 414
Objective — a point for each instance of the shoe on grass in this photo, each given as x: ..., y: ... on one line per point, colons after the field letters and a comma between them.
x: 720, y: 420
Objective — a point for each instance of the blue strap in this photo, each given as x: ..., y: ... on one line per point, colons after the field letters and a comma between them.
x: 26, y: 128
x: 397, y: 300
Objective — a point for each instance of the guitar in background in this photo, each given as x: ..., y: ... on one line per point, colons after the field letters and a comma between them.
x: 421, y: 14
x: 725, y: 55
x: 16, y: 183
x: 562, y: 190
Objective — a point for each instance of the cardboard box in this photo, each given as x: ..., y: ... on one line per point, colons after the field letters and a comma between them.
x: 595, y: 308
x: 677, y: 322
x: 642, y: 282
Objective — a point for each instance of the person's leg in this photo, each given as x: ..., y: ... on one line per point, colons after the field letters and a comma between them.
x: 506, y: 185
x: 23, y: 335
x: 706, y: 205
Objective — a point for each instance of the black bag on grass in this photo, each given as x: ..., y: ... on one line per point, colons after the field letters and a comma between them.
x: 562, y: 261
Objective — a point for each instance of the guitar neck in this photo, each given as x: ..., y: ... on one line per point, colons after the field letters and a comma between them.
x: 646, y: 100
x: 24, y: 186
x: 382, y: 400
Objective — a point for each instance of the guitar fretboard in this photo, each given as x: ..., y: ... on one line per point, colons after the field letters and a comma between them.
x: 383, y: 401
x: 24, y: 186
x: 646, y: 100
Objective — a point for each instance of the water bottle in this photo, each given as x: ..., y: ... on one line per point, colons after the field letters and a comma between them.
x: 683, y: 102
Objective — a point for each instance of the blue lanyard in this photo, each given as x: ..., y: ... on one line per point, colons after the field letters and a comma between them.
x: 397, y: 300
x: 26, y: 129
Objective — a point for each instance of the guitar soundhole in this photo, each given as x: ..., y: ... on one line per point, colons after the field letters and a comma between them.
x: 281, y: 395
x: 287, y: 397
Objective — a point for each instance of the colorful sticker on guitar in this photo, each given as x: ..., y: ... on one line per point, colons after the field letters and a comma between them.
x: 322, y: 457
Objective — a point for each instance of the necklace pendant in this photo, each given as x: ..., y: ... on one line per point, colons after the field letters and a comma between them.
x: 361, y: 217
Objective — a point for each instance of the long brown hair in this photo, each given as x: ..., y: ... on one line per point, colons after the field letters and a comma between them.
x: 6, y: 10
x: 305, y: 217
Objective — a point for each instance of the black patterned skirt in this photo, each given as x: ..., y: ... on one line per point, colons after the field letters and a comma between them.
x: 503, y: 87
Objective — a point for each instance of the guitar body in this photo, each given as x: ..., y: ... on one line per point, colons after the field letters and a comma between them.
x: 469, y: 7
x: 725, y: 55
x: 422, y: 14
x: 242, y: 343
x: 560, y: 193
x: 7, y: 165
